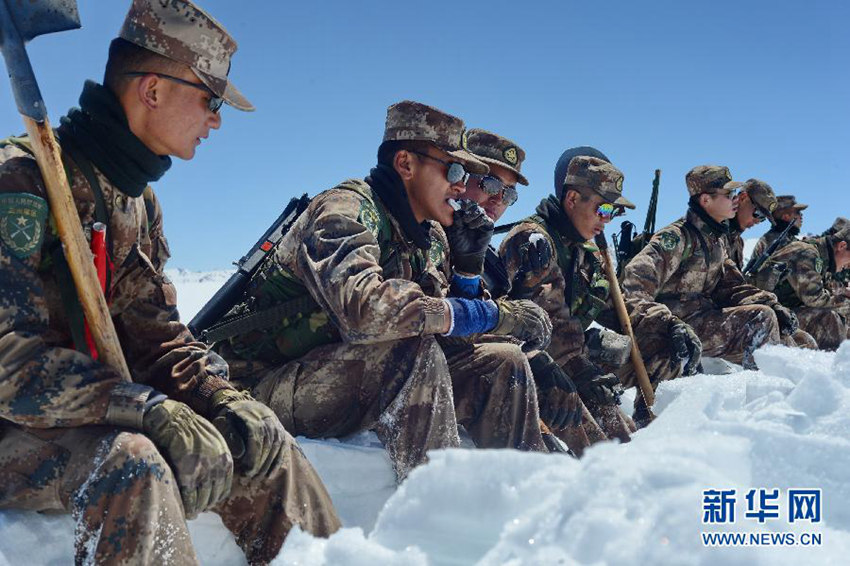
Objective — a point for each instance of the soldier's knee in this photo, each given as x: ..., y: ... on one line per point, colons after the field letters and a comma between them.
x: 513, y: 360
x: 135, y: 452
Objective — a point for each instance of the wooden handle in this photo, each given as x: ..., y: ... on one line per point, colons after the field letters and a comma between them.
x: 626, y: 323
x: 75, y: 246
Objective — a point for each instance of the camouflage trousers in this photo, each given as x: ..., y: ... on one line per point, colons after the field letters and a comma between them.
x: 598, y: 423
x: 734, y: 333
x: 127, y: 508
x: 403, y: 390
x: 827, y: 326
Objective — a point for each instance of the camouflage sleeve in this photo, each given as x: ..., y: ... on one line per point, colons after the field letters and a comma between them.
x: 159, y: 251
x: 546, y: 288
x: 160, y: 350
x: 761, y: 245
x: 338, y: 260
x: 806, y: 277
x: 734, y: 291
x: 645, y: 276
x: 41, y: 385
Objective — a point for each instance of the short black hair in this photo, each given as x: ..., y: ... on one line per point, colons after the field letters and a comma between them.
x: 125, y: 57
x: 388, y: 149
x: 583, y: 192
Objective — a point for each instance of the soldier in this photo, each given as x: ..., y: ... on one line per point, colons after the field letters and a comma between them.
x: 756, y: 202
x: 842, y: 278
x: 683, y: 282
x: 549, y: 257
x: 358, y: 286
x: 130, y: 459
x: 823, y: 309
x: 787, y: 211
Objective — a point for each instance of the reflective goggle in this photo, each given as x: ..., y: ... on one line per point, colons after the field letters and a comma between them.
x: 759, y: 214
x: 494, y: 186
x: 732, y: 194
x: 456, y: 172
x: 607, y: 211
x: 214, y: 103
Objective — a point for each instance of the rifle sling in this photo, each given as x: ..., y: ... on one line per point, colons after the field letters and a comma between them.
x: 258, y: 320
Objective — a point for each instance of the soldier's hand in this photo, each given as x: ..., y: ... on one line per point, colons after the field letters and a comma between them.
x: 560, y: 405
x: 535, y: 254
x: 469, y: 235
x: 592, y: 384
x: 525, y: 321
x: 687, y: 347
x: 607, y: 347
x: 788, y: 323
x: 197, y: 453
x: 253, y: 432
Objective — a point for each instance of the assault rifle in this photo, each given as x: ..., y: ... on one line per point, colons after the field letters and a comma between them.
x: 755, y: 263
x: 628, y: 244
x: 232, y: 290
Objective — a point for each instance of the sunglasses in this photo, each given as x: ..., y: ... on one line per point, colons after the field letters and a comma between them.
x: 732, y: 194
x: 494, y: 186
x: 456, y: 173
x: 759, y: 214
x: 607, y: 211
x: 215, y: 102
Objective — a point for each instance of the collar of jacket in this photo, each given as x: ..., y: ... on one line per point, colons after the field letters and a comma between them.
x: 388, y: 186
x: 552, y: 213
x: 826, y: 252
x: 700, y: 219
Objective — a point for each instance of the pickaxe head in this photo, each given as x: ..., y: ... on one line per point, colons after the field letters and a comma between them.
x: 34, y: 18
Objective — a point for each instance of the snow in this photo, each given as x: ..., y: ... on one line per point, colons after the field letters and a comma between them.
x: 785, y: 426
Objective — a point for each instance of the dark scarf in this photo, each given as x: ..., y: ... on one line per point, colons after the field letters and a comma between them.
x: 387, y: 184
x: 552, y: 212
x: 713, y: 226
x: 100, y: 131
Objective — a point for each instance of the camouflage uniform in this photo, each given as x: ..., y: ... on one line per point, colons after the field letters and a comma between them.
x: 571, y: 287
x: 823, y: 312
x: 365, y: 353
x: 69, y: 426
x: 784, y: 204
x: 684, y: 273
x: 762, y: 197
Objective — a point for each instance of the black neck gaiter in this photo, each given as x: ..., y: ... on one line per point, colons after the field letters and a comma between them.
x: 100, y: 131
x: 387, y: 184
x: 552, y: 212
x: 780, y: 225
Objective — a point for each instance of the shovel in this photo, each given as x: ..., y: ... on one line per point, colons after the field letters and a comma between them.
x: 20, y: 21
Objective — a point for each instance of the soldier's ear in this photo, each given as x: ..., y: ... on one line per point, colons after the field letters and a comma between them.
x: 404, y: 163
x: 147, y: 91
x: 704, y: 198
x: 571, y: 199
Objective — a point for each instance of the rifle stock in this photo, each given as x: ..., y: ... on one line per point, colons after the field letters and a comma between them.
x: 755, y: 263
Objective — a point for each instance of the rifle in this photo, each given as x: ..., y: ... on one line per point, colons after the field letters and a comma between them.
x: 755, y: 263
x: 629, y: 243
x: 232, y: 290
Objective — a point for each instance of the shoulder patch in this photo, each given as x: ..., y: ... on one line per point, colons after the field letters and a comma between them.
x: 22, y: 220
x: 435, y: 252
x: 819, y: 265
x: 369, y: 217
x: 669, y: 241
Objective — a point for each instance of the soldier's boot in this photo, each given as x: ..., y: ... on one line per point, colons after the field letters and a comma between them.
x: 118, y: 487
x: 260, y: 511
x: 495, y: 395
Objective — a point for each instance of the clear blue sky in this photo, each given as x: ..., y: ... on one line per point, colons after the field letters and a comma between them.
x: 760, y: 86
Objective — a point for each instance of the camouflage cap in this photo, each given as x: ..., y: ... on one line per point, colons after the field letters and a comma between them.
x: 599, y: 176
x: 842, y: 235
x: 839, y: 224
x: 413, y: 121
x: 495, y: 150
x: 761, y: 194
x: 180, y: 31
x: 710, y: 179
x: 786, y: 202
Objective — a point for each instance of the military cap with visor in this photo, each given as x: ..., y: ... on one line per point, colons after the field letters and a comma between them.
x: 761, y: 195
x: 599, y: 176
x: 784, y: 203
x: 181, y: 31
x: 493, y: 149
x: 710, y: 179
x: 413, y: 121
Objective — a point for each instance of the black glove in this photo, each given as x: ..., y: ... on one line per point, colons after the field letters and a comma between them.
x: 593, y: 385
x: 469, y: 235
x: 534, y: 254
x: 788, y: 323
x: 607, y: 347
x: 526, y: 321
x: 686, y: 346
x: 560, y: 405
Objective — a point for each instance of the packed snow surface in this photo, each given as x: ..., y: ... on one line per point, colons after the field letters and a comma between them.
x: 786, y: 426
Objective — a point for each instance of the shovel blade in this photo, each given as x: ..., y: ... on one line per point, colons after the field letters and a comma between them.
x: 38, y: 17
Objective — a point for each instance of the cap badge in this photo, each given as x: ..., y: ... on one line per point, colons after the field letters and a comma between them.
x: 510, y: 155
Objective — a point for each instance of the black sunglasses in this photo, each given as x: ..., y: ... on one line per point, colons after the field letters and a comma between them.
x: 494, y: 186
x: 456, y: 172
x: 215, y: 101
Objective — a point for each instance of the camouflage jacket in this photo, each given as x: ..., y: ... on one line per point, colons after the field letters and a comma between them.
x: 44, y: 382
x: 685, y: 269
x: 768, y: 238
x: 368, y: 281
x: 810, y: 275
x: 571, y: 287
x: 735, y: 242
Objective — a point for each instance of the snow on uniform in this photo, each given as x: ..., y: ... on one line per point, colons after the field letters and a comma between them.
x: 364, y: 353
x: 66, y: 420
x: 807, y: 289
x: 572, y: 260
x: 685, y: 273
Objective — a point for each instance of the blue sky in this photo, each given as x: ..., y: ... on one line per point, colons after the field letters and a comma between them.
x: 759, y: 86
